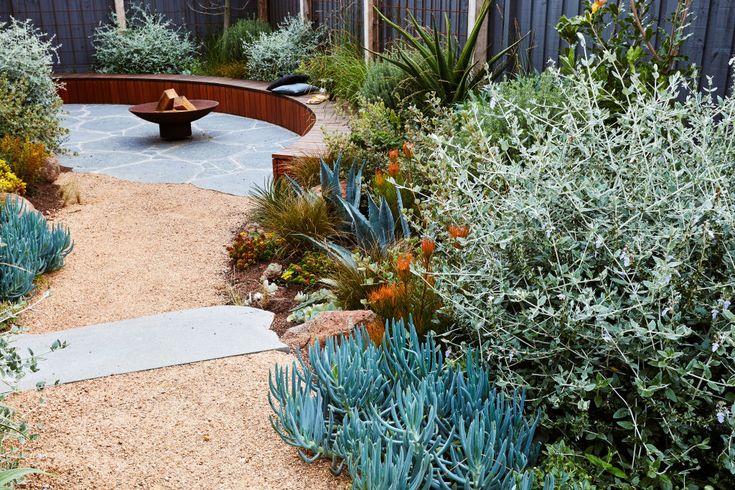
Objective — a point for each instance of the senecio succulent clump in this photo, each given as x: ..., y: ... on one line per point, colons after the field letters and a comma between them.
x: 400, y: 415
x: 28, y: 247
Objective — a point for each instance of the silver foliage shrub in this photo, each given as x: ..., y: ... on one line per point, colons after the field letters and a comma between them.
x: 29, y: 104
x: 150, y: 44
x: 599, y: 269
x: 274, y: 54
x: 25, y: 55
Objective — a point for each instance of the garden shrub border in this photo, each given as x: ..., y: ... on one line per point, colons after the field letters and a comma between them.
x: 246, y: 98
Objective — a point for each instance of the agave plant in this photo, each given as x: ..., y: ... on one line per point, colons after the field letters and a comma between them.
x: 374, y: 232
x: 441, y: 67
x: 399, y: 416
x: 331, y: 183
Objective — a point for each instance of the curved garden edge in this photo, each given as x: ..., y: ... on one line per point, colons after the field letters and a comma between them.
x: 247, y: 98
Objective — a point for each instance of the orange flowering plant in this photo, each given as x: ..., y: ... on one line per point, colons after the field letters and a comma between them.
x: 409, y: 291
x: 393, y: 181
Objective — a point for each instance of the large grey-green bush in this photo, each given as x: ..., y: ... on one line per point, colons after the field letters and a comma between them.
x: 150, y: 44
x: 272, y: 55
x: 26, y: 55
x: 30, y: 106
x: 599, y: 270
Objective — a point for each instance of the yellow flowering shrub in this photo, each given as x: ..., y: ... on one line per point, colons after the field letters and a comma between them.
x: 24, y: 157
x: 9, y: 182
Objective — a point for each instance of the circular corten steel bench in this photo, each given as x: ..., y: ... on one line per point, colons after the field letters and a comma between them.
x: 245, y: 98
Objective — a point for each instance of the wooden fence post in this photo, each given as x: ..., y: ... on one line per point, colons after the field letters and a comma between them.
x: 263, y: 10
x: 305, y: 9
x: 122, y: 23
x: 226, y: 14
x: 371, y: 23
x: 475, y: 6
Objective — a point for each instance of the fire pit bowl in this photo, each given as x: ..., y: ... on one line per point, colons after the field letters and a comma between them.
x: 174, y: 125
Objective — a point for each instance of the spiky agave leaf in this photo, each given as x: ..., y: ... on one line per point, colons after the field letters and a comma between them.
x: 450, y: 73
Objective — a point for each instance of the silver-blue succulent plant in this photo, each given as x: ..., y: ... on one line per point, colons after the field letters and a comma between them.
x: 28, y: 247
x: 400, y: 416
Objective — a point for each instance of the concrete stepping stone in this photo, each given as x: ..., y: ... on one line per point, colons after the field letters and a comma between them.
x: 149, y: 342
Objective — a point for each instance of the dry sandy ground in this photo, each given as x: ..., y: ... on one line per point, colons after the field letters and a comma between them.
x: 143, y: 249
x: 200, y: 426
x: 139, y: 249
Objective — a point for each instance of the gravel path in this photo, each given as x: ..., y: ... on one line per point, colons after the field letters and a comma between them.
x: 200, y: 426
x: 143, y: 249
x: 139, y: 249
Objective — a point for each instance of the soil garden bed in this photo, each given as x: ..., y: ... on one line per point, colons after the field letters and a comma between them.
x: 243, y: 282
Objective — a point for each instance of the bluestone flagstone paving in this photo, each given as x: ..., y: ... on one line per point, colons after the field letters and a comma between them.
x: 149, y: 342
x: 226, y: 153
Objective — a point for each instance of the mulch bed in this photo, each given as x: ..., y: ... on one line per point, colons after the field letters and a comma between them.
x: 46, y: 198
x: 248, y: 281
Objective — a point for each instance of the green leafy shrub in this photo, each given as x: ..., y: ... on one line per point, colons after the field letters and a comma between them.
x: 626, y: 44
x: 542, y: 98
x: 30, y: 104
x: 231, y: 44
x: 309, y: 270
x: 341, y: 71
x: 272, y: 55
x: 150, y: 44
x: 375, y: 129
x: 594, y: 266
x: 29, y: 248
x: 252, y: 246
x: 384, y: 82
x: 402, y: 413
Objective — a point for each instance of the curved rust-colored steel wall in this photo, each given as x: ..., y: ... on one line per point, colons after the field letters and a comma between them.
x: 238, y: 97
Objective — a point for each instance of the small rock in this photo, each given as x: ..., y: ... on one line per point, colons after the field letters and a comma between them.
x: 25, y: 204
x: 50, y: 170
x: 327, y: 324
x: 273, y: 271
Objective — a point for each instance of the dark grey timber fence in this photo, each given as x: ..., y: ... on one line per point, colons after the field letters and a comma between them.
x: 710, y: 47
x: 72, y: 22
x: 339, y: 15
x: 426, y: 12
x: 279, y: 10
